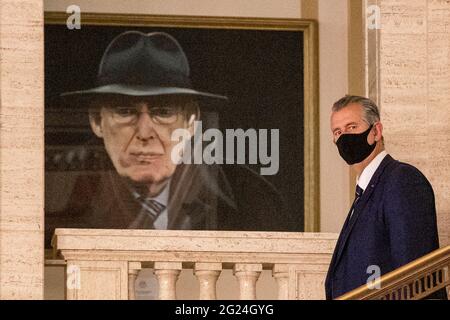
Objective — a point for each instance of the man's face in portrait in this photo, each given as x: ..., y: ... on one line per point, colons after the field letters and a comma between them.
x: 137, y: 133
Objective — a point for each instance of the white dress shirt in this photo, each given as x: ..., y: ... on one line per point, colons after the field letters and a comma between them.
x: 363, y: 180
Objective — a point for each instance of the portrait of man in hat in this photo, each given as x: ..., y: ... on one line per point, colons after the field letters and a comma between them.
x: 143, y: 93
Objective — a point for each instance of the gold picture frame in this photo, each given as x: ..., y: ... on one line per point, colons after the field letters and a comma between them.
x: 309, y: 29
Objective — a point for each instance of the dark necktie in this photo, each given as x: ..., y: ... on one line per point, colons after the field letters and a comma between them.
x: 152, y: 207
x: 358, y: 193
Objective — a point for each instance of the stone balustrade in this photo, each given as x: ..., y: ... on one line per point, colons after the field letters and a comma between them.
x: 104, y: 264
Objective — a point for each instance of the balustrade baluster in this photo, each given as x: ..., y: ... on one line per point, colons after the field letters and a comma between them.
x: 207, y: 274
x: 247, y: 275
x: 133, y: 271
x: 281, y: 274
x: 167, y: 274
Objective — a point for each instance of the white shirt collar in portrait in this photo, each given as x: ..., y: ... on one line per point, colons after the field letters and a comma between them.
x: 367, y: 174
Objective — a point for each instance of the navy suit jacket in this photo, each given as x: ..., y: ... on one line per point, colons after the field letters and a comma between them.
x: 394, y: 222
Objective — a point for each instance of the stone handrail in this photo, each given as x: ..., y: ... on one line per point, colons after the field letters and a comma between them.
x: 104, y: 264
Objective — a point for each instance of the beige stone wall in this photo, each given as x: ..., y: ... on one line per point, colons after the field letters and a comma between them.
x: 415, y: 91
x: 334, y: 80
x: 21, y: 150
x: 235, y: 8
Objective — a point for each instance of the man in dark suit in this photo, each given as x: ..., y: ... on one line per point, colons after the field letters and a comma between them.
x: 393, y: 218
x: 143, y: 95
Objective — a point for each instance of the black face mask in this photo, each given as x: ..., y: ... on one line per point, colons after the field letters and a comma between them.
x: 354, y: 148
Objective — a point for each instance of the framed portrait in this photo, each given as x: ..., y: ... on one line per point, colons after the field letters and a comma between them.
x: 257, y: 168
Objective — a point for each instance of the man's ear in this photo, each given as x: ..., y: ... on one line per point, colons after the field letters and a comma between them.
x: 378, y: 131
x: 96, y: 124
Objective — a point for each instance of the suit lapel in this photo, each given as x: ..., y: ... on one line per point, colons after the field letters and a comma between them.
x: 337, y: 250
x: 192, y: 216
x: 350, y: 223
x: 193, y: 201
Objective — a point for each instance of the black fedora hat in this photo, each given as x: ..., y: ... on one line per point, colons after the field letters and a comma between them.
x: 138, y: 64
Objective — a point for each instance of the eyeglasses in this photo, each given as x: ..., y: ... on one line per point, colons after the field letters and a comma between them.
x: 159, y: 115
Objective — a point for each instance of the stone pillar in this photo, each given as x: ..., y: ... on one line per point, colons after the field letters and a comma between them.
x: 412, y: 55
x: 247, y: 275
x: 281, y: 274
x: 21, y: 149
x: 167, y: 274
x: 133, y: 271
x: 207, y: 274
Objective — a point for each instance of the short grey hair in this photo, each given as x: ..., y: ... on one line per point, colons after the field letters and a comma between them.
x: 371, y: 113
